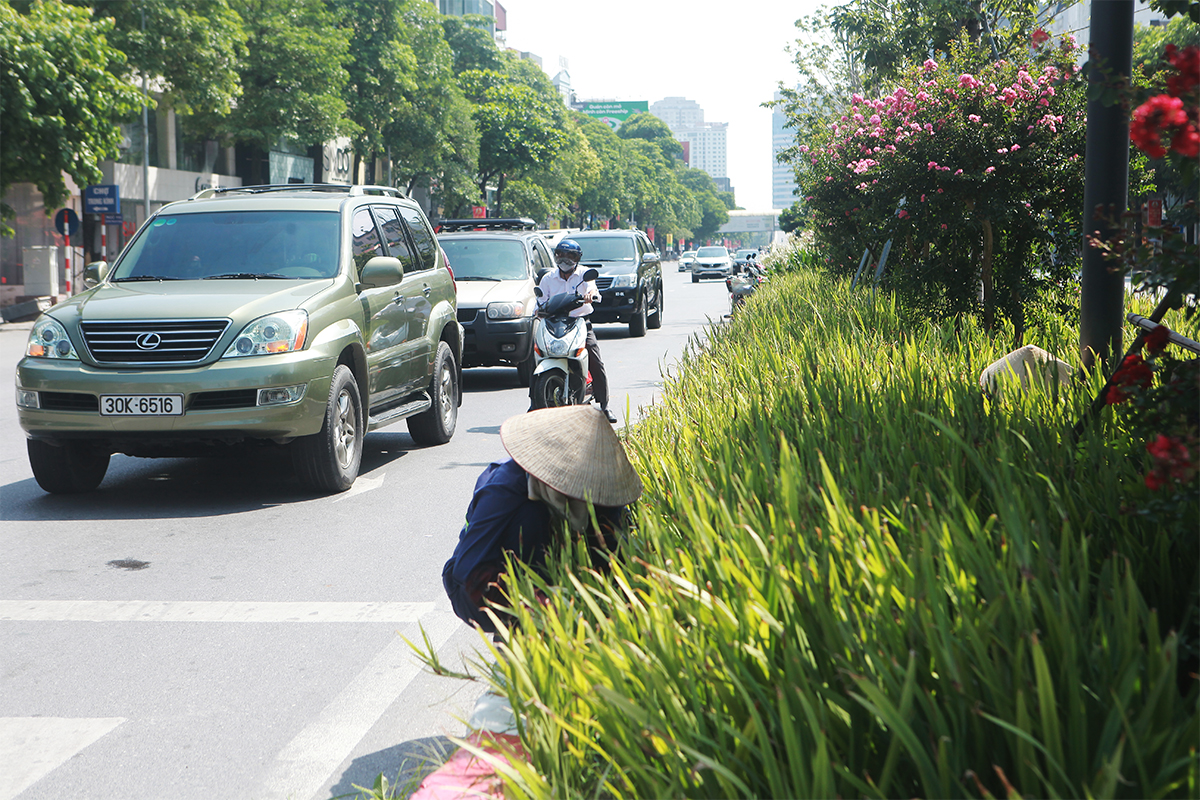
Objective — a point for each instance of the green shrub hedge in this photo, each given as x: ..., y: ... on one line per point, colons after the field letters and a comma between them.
x: 856, y: 575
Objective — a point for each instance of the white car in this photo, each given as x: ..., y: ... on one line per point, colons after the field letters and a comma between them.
x: 712, y: 262
x: 686, y: 260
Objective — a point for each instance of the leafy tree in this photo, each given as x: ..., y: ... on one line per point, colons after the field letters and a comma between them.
x: 61, y: 99
x: 793, y: 218
x: 293, y: 77
x: 517, y: 133
x: 431, y: 137
x: 192, y: 48
x: 561, y: 182
x: 600, y: 198
x: 644, y: 125
x: 473, y: 47
x: 380, y: 71
x: 713, y: 211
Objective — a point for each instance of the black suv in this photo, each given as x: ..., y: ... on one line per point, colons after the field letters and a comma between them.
x: 495, y: 262
x: 630, y: 281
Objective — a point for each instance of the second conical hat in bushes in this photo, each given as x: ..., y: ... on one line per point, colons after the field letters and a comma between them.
x: 575, y: 451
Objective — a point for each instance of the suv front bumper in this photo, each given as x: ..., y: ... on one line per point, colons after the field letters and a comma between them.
x: 493, y: 342
x: 616, y: 305
x: 220, y: 400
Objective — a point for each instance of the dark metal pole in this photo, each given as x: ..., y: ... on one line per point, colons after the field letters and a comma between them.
x: 1106, y: 181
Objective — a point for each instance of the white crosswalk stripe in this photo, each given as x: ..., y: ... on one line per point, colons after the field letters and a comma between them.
x: 207, y: 611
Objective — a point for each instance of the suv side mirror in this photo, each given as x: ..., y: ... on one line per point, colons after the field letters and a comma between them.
x: 94, y: 273
x: 380, y: 271
x: 650, y: 258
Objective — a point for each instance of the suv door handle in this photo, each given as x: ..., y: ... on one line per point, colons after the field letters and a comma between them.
x: 398, y: 299
x: 427, y: 291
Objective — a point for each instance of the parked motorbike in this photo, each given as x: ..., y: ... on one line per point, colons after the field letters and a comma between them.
x: 742, y: 285
x: 560, y: 372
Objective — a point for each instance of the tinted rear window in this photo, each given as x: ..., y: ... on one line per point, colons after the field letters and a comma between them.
x: 614, y: 248
x: 486, y: 259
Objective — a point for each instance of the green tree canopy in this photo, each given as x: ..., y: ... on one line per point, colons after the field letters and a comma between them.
x: 517, y: 133
x: 473, y: 47
x: 713, y: 211
x: 644, y: 125
x: 192, y: 48
x: 380, y: 70
x: 601, y: 197
x: 293, y: 77
x: 61, y: 98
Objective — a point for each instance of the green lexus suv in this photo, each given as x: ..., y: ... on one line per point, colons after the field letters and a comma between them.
x: 278, y: 316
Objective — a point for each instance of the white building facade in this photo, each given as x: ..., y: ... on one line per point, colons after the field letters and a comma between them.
x: 704, y: 142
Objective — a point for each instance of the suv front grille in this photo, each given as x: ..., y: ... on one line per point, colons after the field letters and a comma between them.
x: 466, y: 315
x: 604, y: 283
x: 152, y: 342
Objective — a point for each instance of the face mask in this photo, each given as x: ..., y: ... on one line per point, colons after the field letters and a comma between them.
x: 575, y: 512
x: 566, y: 264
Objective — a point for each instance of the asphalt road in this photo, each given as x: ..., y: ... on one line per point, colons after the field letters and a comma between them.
x: 200, y: 628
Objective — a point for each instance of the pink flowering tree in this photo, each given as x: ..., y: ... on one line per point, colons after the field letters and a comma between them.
x: 974, y: 171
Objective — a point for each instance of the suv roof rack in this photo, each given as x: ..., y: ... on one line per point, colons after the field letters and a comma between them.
x: 487, y: 224
x: 352, y: 190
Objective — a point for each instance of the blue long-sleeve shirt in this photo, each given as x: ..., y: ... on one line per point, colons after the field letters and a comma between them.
x: 500, y: 518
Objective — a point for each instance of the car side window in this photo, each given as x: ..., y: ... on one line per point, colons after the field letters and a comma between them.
x: 422, y: 238
x: 393, y: 235
x: 365, y: 239
x: 541, y: 257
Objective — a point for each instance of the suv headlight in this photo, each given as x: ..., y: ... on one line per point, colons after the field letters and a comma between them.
x: 49, y: 339
x: 625, y: 281
x: 276, y: 333
x: 505, y: 310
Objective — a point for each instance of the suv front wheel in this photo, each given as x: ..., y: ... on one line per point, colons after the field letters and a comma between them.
x: 436, y: 425
x: 69, y: 468
x: 328, y: 461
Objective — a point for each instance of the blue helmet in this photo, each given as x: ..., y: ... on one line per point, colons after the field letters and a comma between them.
x: 568, y: 250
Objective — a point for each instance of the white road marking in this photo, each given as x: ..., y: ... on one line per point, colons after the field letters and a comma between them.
x: 361, y: 485
x: 207, y: 611
x: 308, y: 761
x: 31, y: 747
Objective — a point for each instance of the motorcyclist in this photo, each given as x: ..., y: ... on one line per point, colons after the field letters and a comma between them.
x: 567, y: 278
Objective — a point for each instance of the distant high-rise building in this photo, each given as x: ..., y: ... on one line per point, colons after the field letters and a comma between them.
x: 1076, y: 19
x: 783, y: 176
x: 705, y: 142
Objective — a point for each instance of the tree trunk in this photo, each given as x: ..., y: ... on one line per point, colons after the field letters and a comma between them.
x: 989, y: 300
x: 500, y: 194
x: 974, y: 26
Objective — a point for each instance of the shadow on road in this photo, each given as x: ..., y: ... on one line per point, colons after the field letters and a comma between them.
x: 416, y: 759
x: 175, y: 488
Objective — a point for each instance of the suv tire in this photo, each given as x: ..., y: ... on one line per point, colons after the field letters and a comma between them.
x: 655, y: 320
x: 436, y: 425
x: 695, y: 278
x: 637, y: 323
x: 70, y: 468
x: 328, y: 461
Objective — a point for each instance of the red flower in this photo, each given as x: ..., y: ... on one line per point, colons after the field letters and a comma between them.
x: 1154, y: 481
x: 1133, y: 372
x: 1172, y: 461
x: 1156, y: 340
x: 1160, y: 114
x: 1188, y: 64
x: 1039, y: 37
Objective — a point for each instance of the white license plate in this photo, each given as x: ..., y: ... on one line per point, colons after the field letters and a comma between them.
x: 141, y: 405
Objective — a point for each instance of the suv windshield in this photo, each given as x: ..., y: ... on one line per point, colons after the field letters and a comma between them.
x: 486, y: 259
x: 712, y: 252
x: 234, y: 244
x: 614, y: 248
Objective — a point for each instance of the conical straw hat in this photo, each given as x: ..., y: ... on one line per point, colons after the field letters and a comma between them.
x: 573, y: 449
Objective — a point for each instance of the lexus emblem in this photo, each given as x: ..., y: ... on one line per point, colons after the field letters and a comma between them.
x: 148, y: 341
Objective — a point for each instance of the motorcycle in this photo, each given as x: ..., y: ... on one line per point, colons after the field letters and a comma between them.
x: 560, y: 372
x: 741, y: 286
